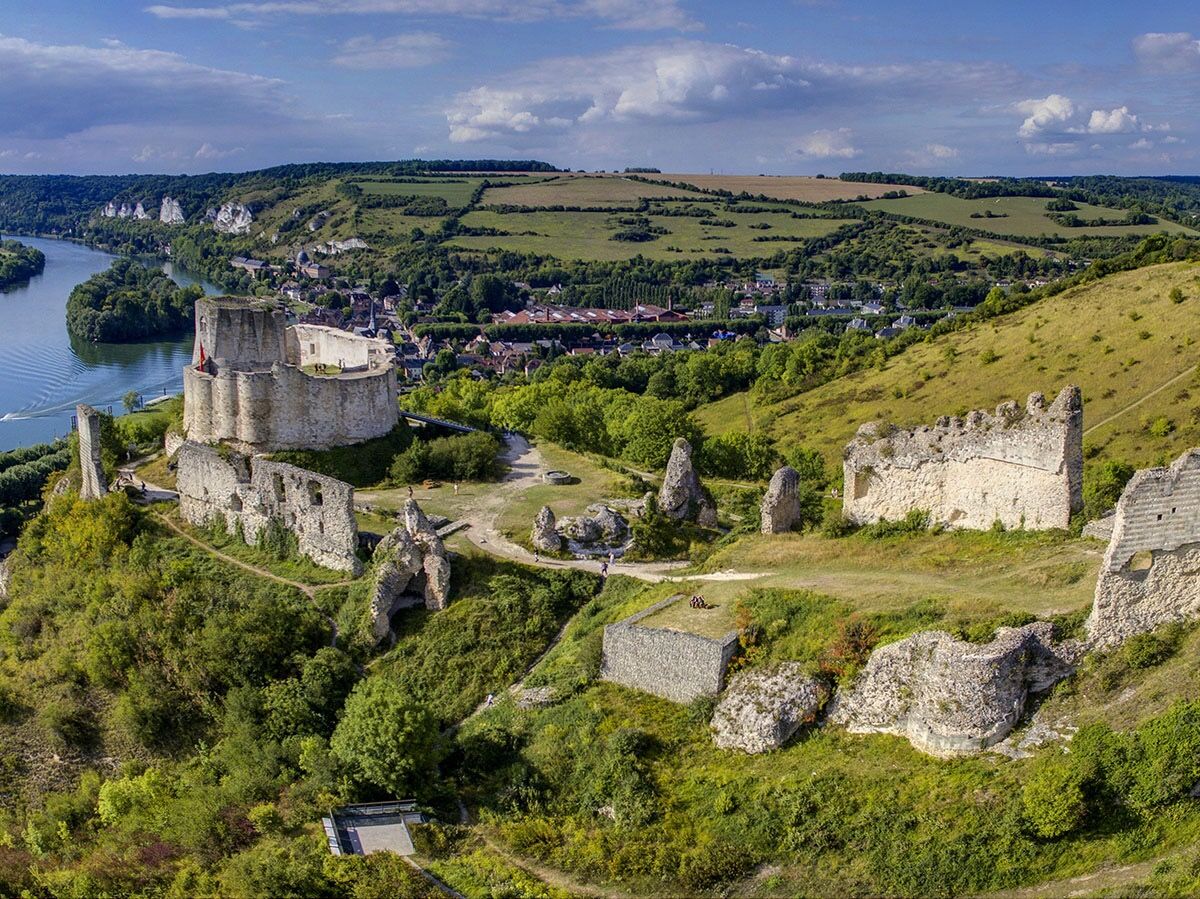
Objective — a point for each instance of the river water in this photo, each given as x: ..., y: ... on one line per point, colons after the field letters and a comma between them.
x: 44, y: 372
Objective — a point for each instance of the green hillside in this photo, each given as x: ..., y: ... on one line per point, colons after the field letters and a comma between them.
x: 1124, y: 340
x: 1019, y: 216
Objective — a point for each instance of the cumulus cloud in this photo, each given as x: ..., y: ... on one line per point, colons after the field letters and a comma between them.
x: 53, y: 90
x: 630, y: 14
x: 693, y: 81
x: 1141, y: 144
x: 1060, y: 148
x: 1044, y: 114
x: 208, y: 151
x: 1114, y: 121
x: 1176, y: 51
x: 827, y: 144
x: 400, y: 51
x: 940, y: 151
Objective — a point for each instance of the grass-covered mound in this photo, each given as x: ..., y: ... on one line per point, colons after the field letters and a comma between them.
x: 1128, y: 340
x: 620, y: 788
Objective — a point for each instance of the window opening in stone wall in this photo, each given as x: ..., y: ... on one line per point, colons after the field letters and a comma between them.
x: 277, y: 481
x: 314, y: 493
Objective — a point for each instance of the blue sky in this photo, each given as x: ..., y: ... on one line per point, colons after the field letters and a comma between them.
x: 793, y: 86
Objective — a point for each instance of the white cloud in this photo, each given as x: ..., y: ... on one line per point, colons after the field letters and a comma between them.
x: 1141, y: 144
x: 941, y: 151
x: 400, y: 51
x: 692, y: 81
x: 1039, y: 148
x: 1044, y: 114
x: 54, y: 90
x: 630, y: 14
x: 1115, y: 121
x: 1176, y: 51
x: 208, y: 151
x: 828, y: 144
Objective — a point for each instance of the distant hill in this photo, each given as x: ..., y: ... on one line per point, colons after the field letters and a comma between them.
x: 1124, y: 340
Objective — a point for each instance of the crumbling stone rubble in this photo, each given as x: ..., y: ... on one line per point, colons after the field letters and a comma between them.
x: 1150, y: 575
x: 950, y: 697
x: 780, y: 505
x: 545, y: 533
x: 681, y: 496
x: 762, y: 708
x: 1021, y: 467
x: 411, y: 568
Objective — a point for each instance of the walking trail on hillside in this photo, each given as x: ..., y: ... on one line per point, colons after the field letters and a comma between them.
x: 1145, y: 396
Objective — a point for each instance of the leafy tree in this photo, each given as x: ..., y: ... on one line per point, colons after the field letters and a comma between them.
x: 386, y: 738
x: 131, y: 400
x: 1052, y: 798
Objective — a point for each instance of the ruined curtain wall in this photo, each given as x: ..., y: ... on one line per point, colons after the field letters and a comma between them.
x: 1022, y: 467
x: 671, y: 664
x: 251, y: 493
x: 1158, y: 520
x: 312, y: 344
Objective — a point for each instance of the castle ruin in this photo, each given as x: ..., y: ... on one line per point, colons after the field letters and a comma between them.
x: 249, y: 494
x: 261, y: 385
x: 93, y: 484
x: 1021, y: 467
x: 1151, y: 571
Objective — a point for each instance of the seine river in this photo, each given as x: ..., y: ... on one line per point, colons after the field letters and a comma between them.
x: 44, y: 373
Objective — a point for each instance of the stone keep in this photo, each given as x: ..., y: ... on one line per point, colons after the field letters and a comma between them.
x: 251, y: 492
x: 93, y: 484
x: 1021, y: 467
x: 252, y: 391
x: 672, y: 664
x: 950, y: 697
x: 1151, y: 571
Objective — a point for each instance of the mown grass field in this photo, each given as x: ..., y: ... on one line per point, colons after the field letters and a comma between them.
x: 587, y: 235
x: 580, y: 190
x: 804, y: 188
x: 455, y: 191
x: 1025, y: 216
x: 1123, y: 340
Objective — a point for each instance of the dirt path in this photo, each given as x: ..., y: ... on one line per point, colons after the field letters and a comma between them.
x: 551, y: 876
x: 309, y: 590
x: 1140, y: 400
x: 526, y: 466
x: 1109, y: 879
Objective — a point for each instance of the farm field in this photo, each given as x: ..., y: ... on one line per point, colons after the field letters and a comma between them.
x: 1024, y: 216
x: 580, y: 190
x: 455, y: 191
x: 1123, y: 340
x: 587, y: 235
x: 804, y: 188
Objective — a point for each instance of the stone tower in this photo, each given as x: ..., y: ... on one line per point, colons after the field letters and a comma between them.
x: 94, y: 484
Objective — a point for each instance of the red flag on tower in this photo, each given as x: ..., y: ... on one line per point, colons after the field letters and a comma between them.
x: 200, y: 365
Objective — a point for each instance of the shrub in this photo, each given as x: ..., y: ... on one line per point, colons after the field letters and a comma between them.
x: 1052, y: 798
x: 1102, y: 487
x: 470, y: 457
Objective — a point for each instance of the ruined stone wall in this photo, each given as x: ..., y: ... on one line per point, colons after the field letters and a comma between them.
x: 1022, y: 467
x: 93, y: 483
x: 251, y: 492
x: 251, y: 393
x: 1151, y: 571
x: 671, y: 664
x: 949, y: 697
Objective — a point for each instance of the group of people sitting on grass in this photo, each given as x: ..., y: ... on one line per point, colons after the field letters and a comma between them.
x: 697, y: 602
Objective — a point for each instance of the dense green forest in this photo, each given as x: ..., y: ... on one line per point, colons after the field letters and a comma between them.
x: 19, y: 263
x: 129, y: 302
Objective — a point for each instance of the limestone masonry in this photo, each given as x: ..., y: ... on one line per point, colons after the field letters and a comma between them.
x: 764, y: 707
x: 681, y: 495
x: 411, y: 568
x: 780, y: 505
x: 950, y: 697
x: 1022, y: 467
x: 672, y: 664
x: 93, y: 485
x: 248, y: 385
x: 1151, y: 571
x: 250, y: 493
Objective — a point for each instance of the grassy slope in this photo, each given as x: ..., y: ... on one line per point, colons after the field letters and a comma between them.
x: 577, y: 190
x: 1085, y: 336
x: 1026, y: 216
x: 789, y: 187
